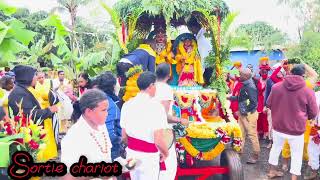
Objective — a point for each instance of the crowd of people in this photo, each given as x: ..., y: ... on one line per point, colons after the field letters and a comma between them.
x: 96, y: 122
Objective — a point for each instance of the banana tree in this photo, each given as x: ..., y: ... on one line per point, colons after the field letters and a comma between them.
x: 14, y: 37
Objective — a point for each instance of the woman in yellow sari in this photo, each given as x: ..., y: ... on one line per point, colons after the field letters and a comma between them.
x: 42, y: 91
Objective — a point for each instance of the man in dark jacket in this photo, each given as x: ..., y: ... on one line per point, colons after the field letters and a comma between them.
x: 144, y: 55
x: 248, y: 102
x: 291, y: 104
x: 24, y: 92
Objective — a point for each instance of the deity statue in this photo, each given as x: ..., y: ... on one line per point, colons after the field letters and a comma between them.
x: 188, y: 60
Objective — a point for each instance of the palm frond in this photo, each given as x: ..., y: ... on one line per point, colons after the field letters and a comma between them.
x: 227, y: 22
x: 115, y: 17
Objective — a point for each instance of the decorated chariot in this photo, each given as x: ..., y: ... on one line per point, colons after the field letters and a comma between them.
x: 209, y: 145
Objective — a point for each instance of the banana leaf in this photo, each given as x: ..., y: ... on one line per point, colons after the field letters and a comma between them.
x: 5, y: 143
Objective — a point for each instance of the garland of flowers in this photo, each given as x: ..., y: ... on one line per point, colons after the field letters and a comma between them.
x: 202, y: 131
x: 189, y: 57
x: 131, y: 89
x: 229, y: 133
x: 213, y: 153
x: 184, y: 100
x: 166, y: 55
x: 134, y: 70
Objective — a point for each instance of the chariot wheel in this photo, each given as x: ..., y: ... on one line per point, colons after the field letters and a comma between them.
x: 231, y: 159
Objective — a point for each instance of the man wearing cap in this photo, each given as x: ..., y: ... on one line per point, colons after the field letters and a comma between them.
x: 248, y: 116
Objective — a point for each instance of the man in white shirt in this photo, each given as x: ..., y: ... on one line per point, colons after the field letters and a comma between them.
x: 164, y: 95
x: 89, y: 136
x: 204, y: 45
x: 143, y: 121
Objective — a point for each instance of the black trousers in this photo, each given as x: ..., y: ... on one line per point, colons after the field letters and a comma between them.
x: 122, y: 68
x: 208, y: 73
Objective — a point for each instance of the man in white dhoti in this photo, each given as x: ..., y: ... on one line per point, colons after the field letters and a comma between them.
x: 89, y: 135
x: 143, y: 121
x: 164, y: 95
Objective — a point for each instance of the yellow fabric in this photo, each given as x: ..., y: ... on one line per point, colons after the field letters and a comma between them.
x: 43, y: 90
x: 189, y: 59
x: 50, y: 151
x: 309, y: 84
x: 286, y: 147
x: 148, y: 48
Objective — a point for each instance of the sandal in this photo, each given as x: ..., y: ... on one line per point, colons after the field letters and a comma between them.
x: 274, y: 174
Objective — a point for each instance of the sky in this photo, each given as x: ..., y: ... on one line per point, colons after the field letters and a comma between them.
x: 279, y: 16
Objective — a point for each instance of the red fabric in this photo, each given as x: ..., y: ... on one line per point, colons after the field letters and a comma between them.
x: 143, y: 146
x: 234, y: 105
x: 292, y: 103
x: 186, y: 76
x: 261, y: 86
x: 274, y: 76
x: 262, y: 123
x: 221, y: 114
x: 82, y: 90
x: 265, y: 67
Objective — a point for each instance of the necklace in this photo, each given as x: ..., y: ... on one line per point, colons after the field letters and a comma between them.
x: 160, y: 47
x: 105, y: 149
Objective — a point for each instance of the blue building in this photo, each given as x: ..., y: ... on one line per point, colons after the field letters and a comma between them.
x: 253, y: 56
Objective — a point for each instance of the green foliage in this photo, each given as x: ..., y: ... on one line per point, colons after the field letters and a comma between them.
x: 14, y: 37
x: 308, y: 50
x: 7, y: 9
x: 169, y: 9
x: 263, y: 34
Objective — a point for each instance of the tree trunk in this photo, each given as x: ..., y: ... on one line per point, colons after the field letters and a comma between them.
x: 73, y: 16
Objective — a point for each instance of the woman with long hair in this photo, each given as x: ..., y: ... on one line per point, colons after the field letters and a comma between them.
x: 84, y: 83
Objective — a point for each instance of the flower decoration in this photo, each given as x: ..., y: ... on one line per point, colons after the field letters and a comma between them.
x: 33, y: 135
x: 132, y: 89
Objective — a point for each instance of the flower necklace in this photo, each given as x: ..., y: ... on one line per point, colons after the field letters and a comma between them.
x: 189, y: 56
x: 164, y: 53
x: 105, y: 149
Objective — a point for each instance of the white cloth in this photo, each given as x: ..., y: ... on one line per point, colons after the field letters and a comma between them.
x: 313, y: 153
x: 142, y: 125
x: 78, y: 141
x: 56, y: 83
x: 141, y: 117
x: 125, y: 60
x: 165, y: 93
x: 318, y: 104
x: 204, y: 46
x: 171, y: 165
x: 66, y: 108
x: 296, y: 148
